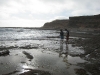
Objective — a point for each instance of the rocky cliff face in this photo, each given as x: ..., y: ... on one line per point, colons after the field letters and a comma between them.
x: 85, y: 21
x: 56, y: 24
x: 75, y: 22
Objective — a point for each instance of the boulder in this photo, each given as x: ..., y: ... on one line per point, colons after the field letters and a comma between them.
x: 4, y: 52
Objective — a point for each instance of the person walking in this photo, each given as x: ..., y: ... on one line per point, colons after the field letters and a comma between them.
x: 67, y: 35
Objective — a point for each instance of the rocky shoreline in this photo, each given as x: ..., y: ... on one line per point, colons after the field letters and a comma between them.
x: 91, y: 46
x: 43, y: 50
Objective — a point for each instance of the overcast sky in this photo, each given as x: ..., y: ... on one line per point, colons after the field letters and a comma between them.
x: 34, y: 13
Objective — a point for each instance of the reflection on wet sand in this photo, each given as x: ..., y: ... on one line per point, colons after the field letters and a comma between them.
x: 64, y: 53
x: 62, y: 49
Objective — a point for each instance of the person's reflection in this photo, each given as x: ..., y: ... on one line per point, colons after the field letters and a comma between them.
x: 66, y: 50
x: 64, y: 53
x: 62, y: 50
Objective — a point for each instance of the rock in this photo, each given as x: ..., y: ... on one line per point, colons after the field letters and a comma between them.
x: 4, y: 52
x: 28, y: 55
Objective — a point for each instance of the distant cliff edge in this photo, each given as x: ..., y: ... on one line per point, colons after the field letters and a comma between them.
x: 92, y: 21
x: 56, y: 24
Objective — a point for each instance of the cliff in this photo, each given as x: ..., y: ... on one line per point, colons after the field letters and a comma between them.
x: 85, y: 21
x: 56, y: 24
x: 92, y: 21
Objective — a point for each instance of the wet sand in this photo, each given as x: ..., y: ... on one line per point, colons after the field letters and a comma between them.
x: 45, y: 57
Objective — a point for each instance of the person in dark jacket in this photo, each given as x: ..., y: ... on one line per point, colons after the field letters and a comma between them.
x: 67, y: 35
x: 61, y: 34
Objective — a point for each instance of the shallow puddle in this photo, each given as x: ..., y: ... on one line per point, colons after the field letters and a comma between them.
x: 53, y: 62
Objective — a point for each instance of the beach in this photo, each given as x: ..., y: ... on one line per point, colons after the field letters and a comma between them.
x: 38, y: 52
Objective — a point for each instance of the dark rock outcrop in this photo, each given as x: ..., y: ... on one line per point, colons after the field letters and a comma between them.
x: 28, y: 55
x: 4, y: 52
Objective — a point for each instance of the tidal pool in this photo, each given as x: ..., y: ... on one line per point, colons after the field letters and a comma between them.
x: 53, y: 62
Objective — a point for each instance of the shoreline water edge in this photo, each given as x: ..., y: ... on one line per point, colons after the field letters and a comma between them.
x: 40, y: 52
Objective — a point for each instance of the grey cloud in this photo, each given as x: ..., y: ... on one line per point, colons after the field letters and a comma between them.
x: 85, y: 7
x: 76, y: 7
x: 3, y: 2
x: 53, y: 1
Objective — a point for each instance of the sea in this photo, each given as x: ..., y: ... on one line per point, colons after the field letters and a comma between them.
x: 17, y: 37
x: 9, y: 34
